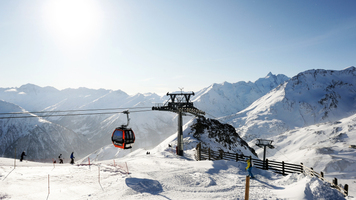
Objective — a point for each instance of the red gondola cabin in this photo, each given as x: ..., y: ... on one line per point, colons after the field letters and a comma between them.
x: 123, y: 138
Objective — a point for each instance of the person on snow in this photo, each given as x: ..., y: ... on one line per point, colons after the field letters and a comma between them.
x: 60, y: 159
x: 249, y: 167
x: 72, y: 158
x: 22, y: 155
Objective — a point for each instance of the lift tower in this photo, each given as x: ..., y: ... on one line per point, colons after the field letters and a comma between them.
x: 180, y: 103
x: 263, y: 143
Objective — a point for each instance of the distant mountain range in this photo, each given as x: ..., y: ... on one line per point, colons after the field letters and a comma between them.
x: 308, y: 98
x: 225, y: 99
x: 89, y: 133
x: 265, y: 108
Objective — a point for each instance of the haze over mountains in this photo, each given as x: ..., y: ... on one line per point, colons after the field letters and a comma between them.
x: 266, y: 108
x: 93, y: 132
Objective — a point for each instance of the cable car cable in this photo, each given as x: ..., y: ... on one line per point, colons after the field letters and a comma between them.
x: 87, y: 110
x: 66, y: 115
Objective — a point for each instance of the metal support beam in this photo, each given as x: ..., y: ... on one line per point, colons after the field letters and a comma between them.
x: 264, y: 157
x: 180, y: 135
x: 180, y: 104
x: 265, y: 143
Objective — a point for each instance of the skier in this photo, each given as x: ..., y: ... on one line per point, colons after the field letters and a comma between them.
x: 22, y: 155
x: 72, y: 158
x: 249, y: 167
x: 60, y: 159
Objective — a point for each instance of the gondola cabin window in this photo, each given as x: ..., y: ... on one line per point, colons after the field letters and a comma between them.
x: 118, y: 137
x: 123, y: 138
x: 129, y: 137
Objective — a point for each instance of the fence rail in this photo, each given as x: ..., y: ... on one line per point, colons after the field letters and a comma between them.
x: 275, y: 166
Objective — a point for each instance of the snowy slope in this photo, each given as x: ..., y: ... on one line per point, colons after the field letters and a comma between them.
x: 210, y: 133
x: 159, y: 175
x: 324, y: 146
x: 225, y: 99
x: 311, y: 97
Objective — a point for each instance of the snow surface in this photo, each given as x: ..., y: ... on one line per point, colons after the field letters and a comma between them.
x: 324, y: 146
x: 310, y: 118
x: 158, y: 175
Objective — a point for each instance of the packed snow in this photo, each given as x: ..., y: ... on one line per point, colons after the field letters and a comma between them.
x: 158, y: 175
x: 310, y: 118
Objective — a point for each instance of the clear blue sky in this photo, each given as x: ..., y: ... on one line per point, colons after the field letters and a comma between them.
x: 161, y: 45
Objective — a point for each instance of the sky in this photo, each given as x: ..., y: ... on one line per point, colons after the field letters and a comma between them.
x: 161, y: 46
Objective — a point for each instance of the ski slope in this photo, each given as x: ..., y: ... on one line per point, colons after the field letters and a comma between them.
x: 158, y: 175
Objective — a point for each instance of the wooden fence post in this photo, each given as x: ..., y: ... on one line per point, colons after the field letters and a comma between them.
x: 247, y: 188
x: 301, y: 168
x: 346, y: 187
x: 237, y: 157
x: 266, y: 164
x: 322, y: 174
x: 199, y: 156
x: 283, y: 168
x: 221, y: 154
x: 209, y: 154
x: 198, y: 151
x: 335, y: 181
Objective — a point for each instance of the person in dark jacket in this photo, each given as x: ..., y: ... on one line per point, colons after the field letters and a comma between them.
x: 72, y: 158
x: 60, y: 159
x: 22, y: 155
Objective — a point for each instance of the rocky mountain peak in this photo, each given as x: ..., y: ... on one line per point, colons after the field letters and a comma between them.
x: 224, y: 136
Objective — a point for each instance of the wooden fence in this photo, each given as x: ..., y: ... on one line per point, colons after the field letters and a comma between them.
x: 275, y: 166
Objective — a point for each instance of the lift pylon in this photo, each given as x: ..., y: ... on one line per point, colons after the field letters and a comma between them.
x: 180, y: 103
x: 263, y: 143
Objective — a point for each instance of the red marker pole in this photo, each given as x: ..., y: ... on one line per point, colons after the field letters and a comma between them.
x: 15, y: 159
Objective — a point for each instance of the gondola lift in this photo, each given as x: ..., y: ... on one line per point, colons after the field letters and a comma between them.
x: 123, y: 137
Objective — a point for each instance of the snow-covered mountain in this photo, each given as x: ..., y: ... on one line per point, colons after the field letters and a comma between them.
x: 40, y: 138
x: 328, y: 144
x: 310, y: 118
x: 311, y: 97
x: 217, y: 136
x: 225, y: 99
x: 150, y: 127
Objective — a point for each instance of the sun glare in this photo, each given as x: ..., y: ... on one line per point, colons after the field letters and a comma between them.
x: 72, y: 20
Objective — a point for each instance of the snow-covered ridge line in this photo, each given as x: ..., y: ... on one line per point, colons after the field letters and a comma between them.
x: 310, y: 97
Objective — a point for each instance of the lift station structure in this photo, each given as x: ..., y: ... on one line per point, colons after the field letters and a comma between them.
x: 263, y: 143
x: 180, y: 103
